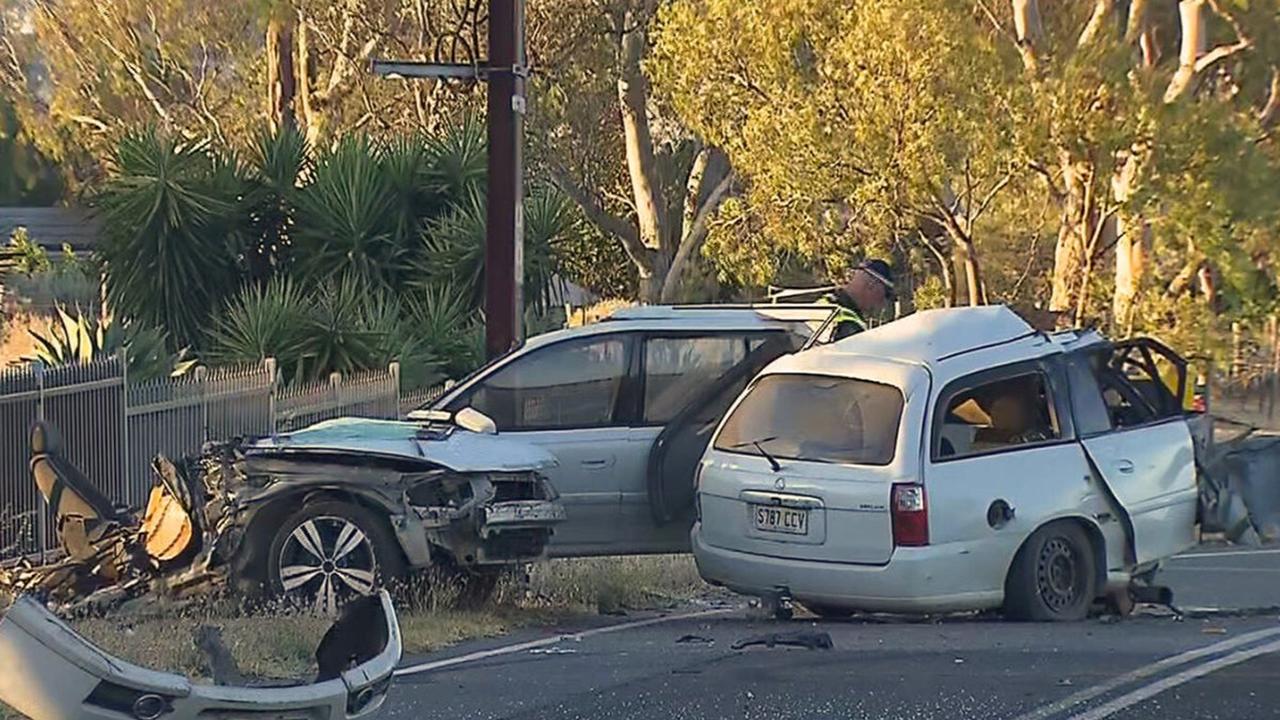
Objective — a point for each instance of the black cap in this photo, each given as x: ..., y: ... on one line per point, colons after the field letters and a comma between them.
x: 882, y: 271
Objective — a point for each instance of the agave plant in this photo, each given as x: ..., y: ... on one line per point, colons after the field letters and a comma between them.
x: 82, y: 337
x: 458, y: 161
x: 448, y: 326
x: 278, y: 162
x: 169, y: 243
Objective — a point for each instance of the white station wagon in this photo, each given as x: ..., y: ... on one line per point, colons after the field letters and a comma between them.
x: 951, y: 460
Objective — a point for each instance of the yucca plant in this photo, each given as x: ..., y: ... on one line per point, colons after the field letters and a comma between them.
x: 346, y: 219
x: 278, y: 162
x: 264, y: 321
x: 82, y: 337
x: 169, y: 242
x: 448, y: 325
x: 458, y: 161
x: 454, y: 245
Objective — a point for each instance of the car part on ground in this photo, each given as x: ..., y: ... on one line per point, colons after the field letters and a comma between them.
x: 1240, y: 490
x: 319, y: 516
x: 51, y: 673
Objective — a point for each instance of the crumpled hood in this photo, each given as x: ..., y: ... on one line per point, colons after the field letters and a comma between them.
x: 463, y: 451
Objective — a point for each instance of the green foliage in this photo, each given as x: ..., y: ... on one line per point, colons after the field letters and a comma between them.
x: 27, y: 256
x: 454, y: 245
x: 82, y: 338
x: 29, y: 178
x: 339, y: 327
x: 448, y: 325
x: 170, y: 239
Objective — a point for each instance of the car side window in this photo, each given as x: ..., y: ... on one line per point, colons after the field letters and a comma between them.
x: 996, y: 415
x: 1126, y: 405
x: 572, y: 384
x: 677, y: 367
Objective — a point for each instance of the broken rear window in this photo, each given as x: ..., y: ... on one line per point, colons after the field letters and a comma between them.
x: 816, y: 418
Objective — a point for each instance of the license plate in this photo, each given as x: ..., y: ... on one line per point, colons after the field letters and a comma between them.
x: 770, y: 518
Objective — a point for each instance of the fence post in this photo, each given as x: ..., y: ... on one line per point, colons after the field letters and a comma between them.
x: 123, y: 358
x: 269, y: 366
x: 394, y: 369
x: 335, y: 387
x: 42, y: 512
x: 202, y: 372
x: 1237, y: 353
x: 1272, y: 386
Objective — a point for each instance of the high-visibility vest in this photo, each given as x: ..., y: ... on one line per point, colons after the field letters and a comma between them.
x: 844, y: 315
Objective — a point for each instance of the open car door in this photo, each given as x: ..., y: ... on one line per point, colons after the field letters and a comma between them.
x: 681, y: 444
x: 1143, y: 451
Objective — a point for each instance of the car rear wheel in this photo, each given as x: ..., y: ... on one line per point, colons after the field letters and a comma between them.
x: 329, y: 552
x: 1053, y: 577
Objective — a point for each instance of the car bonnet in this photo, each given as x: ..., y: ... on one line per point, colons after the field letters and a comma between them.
x: 460, y: 450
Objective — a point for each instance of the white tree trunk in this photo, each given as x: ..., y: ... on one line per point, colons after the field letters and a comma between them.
x: 1029, y: 30
x: 1191, y: 47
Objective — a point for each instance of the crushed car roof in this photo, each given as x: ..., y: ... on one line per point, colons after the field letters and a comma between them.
x: 459, y: 450
x: 930, y: 337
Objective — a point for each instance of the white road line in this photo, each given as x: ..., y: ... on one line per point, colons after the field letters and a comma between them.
x: 1224, y: 553
x: 1146, y: 671
x: 1149, y: 691
x: 544, y: 642
x: 1203, y: 568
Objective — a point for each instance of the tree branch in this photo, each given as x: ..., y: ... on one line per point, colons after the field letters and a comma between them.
x: 695, y: 234
x: 1271, y: 110
x: 991, y: 196
x: 603, y: 219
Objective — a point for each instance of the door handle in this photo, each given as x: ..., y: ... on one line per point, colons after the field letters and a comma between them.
x: 597, y: 463
x: 1125, y: 466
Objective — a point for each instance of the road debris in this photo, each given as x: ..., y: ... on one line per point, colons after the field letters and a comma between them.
x: 51, y: 673
x: 552, y: 651
x: 804, y: 638
x: 1239, y: 489
x: 695, y: 639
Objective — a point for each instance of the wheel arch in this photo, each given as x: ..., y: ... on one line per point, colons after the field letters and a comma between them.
x: 1097, y: 543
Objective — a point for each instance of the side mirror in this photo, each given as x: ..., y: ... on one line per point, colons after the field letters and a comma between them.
x: 475, y: 421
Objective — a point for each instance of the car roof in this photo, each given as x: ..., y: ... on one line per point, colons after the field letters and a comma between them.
x: 930, y: 338
x: 692, y: 318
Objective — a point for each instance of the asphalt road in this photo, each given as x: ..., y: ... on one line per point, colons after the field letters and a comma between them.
x: 1215, y: 663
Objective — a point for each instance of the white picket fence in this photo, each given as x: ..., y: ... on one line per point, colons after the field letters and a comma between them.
x: 113, y: 427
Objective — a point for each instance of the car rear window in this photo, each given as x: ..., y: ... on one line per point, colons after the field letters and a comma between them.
x: 816, y: 418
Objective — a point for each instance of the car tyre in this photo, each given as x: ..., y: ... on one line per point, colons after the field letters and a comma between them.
x: 331, y: 551
x: 1053, y: 577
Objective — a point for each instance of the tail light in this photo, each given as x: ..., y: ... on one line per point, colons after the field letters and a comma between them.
x: 1198, y: 403
x: 910, y: 516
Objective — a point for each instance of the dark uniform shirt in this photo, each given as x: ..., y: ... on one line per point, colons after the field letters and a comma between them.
x: 848, y: 320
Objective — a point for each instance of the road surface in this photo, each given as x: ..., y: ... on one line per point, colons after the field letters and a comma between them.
x: 1216, y: 662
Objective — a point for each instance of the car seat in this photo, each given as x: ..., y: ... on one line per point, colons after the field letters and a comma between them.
x: 83, y: 514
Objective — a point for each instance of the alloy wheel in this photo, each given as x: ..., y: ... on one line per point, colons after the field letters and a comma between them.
x: 326, y: 561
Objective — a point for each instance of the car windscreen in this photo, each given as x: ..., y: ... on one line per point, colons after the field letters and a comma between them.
x: 816, y: 418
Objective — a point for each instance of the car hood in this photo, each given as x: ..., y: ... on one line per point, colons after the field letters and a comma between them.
x: 461, y: 450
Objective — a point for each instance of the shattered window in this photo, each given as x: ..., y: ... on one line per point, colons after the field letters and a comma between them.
x: 997, y: 415
x: 816, y: 418
x: 568, y: 385
x: 677, y: 367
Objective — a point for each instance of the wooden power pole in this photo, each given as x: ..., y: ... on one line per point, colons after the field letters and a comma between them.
x: 505, y: 73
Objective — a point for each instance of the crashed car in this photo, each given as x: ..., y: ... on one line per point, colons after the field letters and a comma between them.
x: 321, y: 515
x: 51, y: 673
x: 332, y: 510
x: 952, y: 460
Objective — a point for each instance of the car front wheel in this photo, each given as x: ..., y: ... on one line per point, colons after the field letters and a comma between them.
x: 329, y: 552
x: 1053, y: 577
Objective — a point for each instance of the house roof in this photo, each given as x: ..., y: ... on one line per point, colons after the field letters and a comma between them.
x: 52, y: 227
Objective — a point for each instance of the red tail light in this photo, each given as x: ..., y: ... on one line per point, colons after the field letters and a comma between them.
x: 910, y: 516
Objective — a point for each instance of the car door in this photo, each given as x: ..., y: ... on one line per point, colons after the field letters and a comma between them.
x: 1138, y: 442
x: 682, y: 373
x: 573, y: 398
x: 1002, y: 461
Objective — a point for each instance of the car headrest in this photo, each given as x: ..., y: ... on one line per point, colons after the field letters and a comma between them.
x: 45, y: 439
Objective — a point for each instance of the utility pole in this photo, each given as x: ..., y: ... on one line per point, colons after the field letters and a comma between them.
x: 505, y: 73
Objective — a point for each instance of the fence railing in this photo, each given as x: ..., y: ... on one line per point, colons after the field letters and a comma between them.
x: 113, y: 427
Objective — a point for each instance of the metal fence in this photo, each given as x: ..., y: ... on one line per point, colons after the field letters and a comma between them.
x: 113, y: 427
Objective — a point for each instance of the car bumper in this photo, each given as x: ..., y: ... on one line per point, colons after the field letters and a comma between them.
x: 51, y: 673
x: 914, y: 580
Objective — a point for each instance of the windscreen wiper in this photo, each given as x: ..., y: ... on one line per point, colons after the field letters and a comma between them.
x: 759, y: 445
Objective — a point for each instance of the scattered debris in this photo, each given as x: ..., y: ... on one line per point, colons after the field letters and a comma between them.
x: 1213, y: 631
x: 1239, y: 496
x: 59, y: 674
x: 1065, y: 682
x: 552, y: 651
x: 804, y: 638
x: 697, y: 639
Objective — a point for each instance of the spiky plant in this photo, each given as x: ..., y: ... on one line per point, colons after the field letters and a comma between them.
x: 79, y: 337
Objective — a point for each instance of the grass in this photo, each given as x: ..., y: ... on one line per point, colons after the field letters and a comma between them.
x: 280, y: 643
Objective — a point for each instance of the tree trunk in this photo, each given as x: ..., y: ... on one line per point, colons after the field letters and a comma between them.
x: 1029, y: 29
x: 281, y: 87
x: 1102, y: 10
x: 1191, y: 47
x: 1068, y: 253
x: 633, y: 100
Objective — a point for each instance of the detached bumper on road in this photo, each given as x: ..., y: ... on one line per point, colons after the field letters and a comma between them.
x: 51, y: 673
x: 903, y: 585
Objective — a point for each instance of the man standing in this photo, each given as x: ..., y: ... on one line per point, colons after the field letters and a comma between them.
x: 867, y: 291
